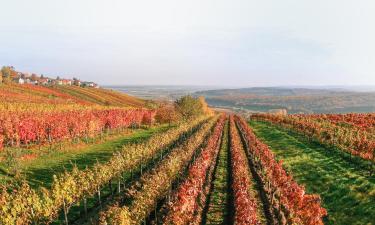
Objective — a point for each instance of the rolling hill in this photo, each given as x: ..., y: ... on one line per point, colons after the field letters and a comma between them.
x: 65, y: 95
x: 294, y: 100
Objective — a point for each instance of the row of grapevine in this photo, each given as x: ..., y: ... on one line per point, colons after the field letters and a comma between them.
x: 157, y: 183
x: 30, y: 107
x: 24, y: 128
x: 245, y: 205
x: 36, y: 94
x: 218, y: 202
x: 25, y: 205
x: 66, y: 95
x: 290, y: 202
x: 354, y: 141
x: 100, y: 96
x: 189, y: 200
x: 365, y: 121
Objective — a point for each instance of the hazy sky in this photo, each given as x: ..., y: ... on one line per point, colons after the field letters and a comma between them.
x: 232, y: 42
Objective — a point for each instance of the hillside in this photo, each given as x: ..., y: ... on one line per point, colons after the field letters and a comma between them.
x: 294, y: 100
x: 100, y: 96
x: 65, y: 95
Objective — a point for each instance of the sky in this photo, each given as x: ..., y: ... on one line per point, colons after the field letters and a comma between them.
x: 196, y: 42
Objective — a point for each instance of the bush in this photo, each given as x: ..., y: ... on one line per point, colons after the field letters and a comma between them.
x: 191, y: 107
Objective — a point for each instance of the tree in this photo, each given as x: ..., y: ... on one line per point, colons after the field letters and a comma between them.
x: 6, y: 73
x: 13, y: 73
x: 1, y: 77
x: 189, y: 107
x: 166, y: 114
x: 34, y: 77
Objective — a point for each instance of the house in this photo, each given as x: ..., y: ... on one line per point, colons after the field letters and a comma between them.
x: 44, y: 81
x: 35, y: 79
x: 77, y: 82
x: 26, y: 75
x: 67, y: 82
x: 64, y: 82
x: 53, y: 82
x: 89, y: 84
x: 30, y: 81
x: 19, y: 80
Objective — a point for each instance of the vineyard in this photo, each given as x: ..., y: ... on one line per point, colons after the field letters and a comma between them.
x: 37, y: 116
x: 187, y: 112
x: 168, y: 180
x: 344, y: 185
x: 212, y: 168
x: 41, y: 98
x: 333, y: 130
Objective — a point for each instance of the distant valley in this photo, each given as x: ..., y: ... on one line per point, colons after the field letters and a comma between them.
x: 294, y: 100
x: 263, y: 99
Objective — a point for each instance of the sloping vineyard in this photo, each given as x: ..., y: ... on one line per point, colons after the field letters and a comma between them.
x: 65, y: 95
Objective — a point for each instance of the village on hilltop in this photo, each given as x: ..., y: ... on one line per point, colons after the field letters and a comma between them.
x: 8, y: 74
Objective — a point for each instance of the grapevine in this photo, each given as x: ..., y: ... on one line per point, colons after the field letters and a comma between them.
x: 71, y: 187
x: 188, y: 201
x: 245, y: 205
x: 292, y: 203
x: 155, y: 184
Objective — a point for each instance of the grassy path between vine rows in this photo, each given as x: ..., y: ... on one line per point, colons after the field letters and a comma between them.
x: 218, y: 211
x: 39, y: 172
x: 347, y: 194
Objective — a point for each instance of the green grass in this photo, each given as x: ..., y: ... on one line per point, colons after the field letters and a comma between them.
x: 347, y: 193
x: 217, y: 212
x: 39, y: 171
